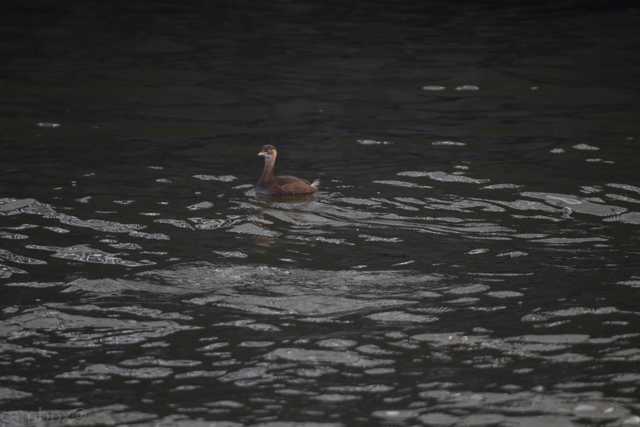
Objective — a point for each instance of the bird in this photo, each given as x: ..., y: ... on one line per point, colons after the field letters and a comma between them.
x: 270, y: 184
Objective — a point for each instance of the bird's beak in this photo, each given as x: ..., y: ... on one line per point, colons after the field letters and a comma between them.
x: 262, y: 154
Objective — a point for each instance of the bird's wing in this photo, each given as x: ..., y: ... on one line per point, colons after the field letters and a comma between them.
x: 293, y: 185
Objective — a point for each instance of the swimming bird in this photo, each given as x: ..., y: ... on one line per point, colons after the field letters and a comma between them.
x: 270, y: 184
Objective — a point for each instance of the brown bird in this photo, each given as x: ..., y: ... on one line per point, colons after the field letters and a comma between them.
x: 271, y: 185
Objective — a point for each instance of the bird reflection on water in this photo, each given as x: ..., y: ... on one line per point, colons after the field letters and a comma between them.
x: 293, y: 209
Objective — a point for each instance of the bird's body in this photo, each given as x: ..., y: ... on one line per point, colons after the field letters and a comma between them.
x: 270, y: 184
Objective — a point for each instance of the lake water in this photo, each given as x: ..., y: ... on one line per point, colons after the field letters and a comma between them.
x: 472, y: 257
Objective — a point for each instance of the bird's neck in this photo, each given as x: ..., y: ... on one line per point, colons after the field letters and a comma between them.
x: 267, y: 171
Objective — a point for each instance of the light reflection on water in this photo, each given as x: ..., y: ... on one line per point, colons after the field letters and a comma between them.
x: 470, y: 258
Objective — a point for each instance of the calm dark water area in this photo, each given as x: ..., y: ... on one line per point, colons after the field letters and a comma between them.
x: 472, y: 257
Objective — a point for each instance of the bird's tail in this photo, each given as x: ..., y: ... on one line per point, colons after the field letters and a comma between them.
x: 316, y: 183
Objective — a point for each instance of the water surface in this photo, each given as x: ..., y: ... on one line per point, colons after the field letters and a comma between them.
x: 472, y: 258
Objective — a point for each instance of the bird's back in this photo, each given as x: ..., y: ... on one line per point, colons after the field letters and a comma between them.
x: 289, y: 185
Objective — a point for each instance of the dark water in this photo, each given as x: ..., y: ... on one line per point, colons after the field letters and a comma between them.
x: 472, y: 258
